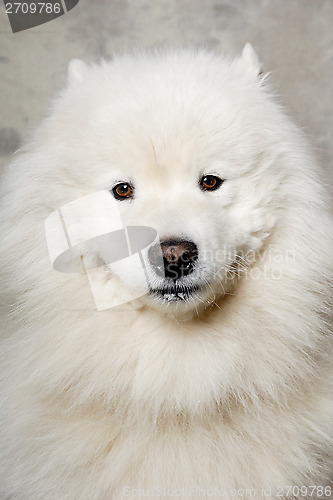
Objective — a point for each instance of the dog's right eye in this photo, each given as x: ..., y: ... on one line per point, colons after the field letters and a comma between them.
x: 123, y: 191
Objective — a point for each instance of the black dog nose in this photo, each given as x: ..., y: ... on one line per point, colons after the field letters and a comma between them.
x: 173, y: 258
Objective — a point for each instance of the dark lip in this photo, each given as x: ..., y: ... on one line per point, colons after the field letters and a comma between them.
x: 175, y: 293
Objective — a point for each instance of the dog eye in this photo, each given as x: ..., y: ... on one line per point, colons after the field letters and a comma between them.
x: 210, y: 182
x: 123, y: 191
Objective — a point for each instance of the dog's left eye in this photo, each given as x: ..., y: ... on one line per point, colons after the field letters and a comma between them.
x: 210, y: 182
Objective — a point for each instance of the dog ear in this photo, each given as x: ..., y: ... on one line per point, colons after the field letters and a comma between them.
x: 77, y: 70
x: 252, y: 64
x: 251, y: 60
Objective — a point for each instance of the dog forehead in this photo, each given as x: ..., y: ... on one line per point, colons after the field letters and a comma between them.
x: 154, y: 139
x: 172, y: 118
x: 162, y: 100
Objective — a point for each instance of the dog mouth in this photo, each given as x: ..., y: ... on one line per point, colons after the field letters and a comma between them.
x: 176, y: 293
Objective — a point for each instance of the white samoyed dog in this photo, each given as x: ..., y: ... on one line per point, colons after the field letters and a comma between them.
x: 202, y: 368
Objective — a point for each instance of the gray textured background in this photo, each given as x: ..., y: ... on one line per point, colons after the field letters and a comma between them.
x: 294, y: 39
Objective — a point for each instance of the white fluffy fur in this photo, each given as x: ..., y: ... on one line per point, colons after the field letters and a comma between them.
x: 230, y: 391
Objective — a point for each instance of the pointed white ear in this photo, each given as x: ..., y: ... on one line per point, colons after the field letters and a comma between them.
x: 77, y: 70
x: 251, y: 60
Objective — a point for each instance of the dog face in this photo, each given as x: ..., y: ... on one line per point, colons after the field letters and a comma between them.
x: 180, y: 143
x: 208, y: 227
